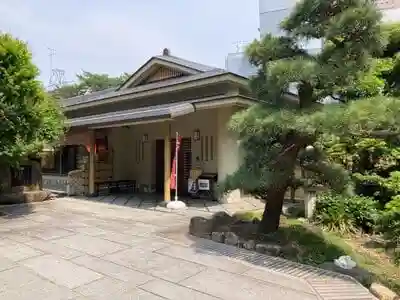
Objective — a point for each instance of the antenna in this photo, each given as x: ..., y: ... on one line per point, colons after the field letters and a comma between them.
x: 52, y: 52
x: 239, y: 45
x: 57, y: 76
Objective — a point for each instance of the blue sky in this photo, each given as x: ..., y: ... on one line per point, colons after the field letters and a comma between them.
x: 118, y: 36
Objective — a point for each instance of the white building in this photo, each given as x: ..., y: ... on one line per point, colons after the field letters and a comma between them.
x: 272, y: 13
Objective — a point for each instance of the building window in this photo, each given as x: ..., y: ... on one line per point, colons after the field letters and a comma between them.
x: 206, y: 149
x: 211, y: 148
x: 201, y: 148
x: 60, y: 161
x: 139, y: 151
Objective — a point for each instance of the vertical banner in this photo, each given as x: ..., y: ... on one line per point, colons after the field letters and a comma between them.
x: 174, y: 172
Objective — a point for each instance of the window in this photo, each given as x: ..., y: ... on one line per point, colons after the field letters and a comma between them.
x: 211, y: 148
x: 61, y: 160
x: 207, y: 148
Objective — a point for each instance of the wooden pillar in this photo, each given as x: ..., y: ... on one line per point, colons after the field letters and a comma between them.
x: 92, y: 163
x: 167, y: 164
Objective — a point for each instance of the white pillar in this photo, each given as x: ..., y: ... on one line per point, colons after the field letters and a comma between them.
x: 228, y: 151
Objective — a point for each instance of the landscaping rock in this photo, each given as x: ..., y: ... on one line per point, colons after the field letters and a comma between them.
x: 269, y: 249
x: 36, y: 196
x: 200, y: 227
x: 221, y: 219
x: 231, y: 239
x: 249, y: 245
x: 218, y: 237
x: 359, y: 274
x: 293, y: 209
x: 382, y: 292
x: 246, y: 230
x: 25, y: 197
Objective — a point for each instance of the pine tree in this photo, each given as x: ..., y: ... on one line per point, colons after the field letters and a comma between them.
x: 276, y: 134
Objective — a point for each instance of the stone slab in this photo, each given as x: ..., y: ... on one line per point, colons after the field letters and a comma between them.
x: 16, y: 251
x: 61, y: 272
x: 21, y: 284
x: 121, y: 200
x: 112, y: 270
x: 90, y: 245
x: 240, y: 287
x: 49, y: 233
x: 155, y: 264
x: 138, y: 294
x: 173, y: 291
x: 50, y: 247
x: 205, y: 258
x: 105, y: 288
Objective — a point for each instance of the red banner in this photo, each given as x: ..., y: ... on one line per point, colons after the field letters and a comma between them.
x: 174, y: 171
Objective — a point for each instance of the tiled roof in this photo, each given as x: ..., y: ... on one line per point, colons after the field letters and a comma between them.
x: 113, y: 93
x: 186, y: 63
x: 169, y: 110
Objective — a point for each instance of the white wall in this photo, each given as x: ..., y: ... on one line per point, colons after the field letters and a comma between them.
x: 131, y: 163
x: 228, y: 146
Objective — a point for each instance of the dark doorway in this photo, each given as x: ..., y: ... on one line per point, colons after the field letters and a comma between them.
x: 159, y: 166
x: 184, y: 165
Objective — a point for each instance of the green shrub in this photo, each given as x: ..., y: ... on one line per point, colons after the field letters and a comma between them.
x: 393, y: 205
x: 346, y: 214
x: 390, y: 227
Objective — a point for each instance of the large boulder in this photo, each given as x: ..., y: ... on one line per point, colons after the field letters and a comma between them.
x: 246, y: 230
x: 200, y: 227
x: 221, y: 220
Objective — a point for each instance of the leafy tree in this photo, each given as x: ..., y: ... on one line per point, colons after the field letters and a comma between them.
x: 88, y: 81
x: 383, y: 76
x: 29, y: 118
x: 276, y: 134
x: 373, y: 162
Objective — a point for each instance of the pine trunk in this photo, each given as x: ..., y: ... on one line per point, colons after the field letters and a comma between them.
x: 272, y: 211
x: 276, y: 194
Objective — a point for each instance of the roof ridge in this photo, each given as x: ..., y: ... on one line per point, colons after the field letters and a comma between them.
x: 187, y: 63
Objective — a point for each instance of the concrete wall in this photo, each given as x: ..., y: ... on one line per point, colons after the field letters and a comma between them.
x: 136, y: 160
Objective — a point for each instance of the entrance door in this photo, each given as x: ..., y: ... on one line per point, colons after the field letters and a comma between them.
x: 159, y: 166
x: 184, y: 164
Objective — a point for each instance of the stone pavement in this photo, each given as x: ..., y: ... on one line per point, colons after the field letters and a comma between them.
x: 78, y: 249
x: 151, y: 201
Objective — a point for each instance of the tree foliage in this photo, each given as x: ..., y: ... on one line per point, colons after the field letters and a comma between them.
x: 29, y: 117
x: 91, y: 82
x: 275, y: 134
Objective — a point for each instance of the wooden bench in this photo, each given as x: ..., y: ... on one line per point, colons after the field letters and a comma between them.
x: 114, y: 187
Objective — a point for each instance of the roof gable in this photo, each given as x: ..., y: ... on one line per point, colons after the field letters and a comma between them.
x: 162, y: 68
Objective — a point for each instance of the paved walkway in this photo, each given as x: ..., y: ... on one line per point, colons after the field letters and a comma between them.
x: 150, y: 202
x: 79, y: 249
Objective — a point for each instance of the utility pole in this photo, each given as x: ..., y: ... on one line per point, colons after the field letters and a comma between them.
x: 57, y: 76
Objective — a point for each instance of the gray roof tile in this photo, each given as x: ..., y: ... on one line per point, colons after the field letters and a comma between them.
x: 169, y: 110
x: 186, y: 63
x: 109, y: 94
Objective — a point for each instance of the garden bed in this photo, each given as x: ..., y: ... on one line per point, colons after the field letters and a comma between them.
x: 299, y: 241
